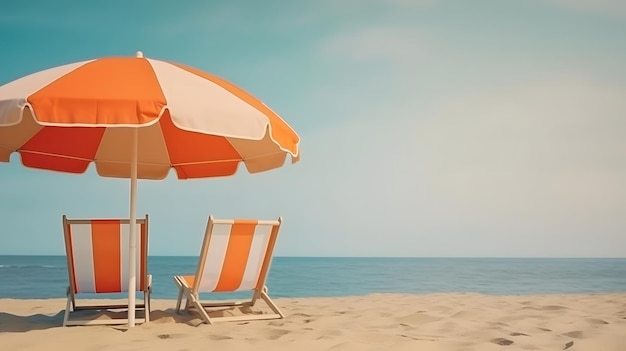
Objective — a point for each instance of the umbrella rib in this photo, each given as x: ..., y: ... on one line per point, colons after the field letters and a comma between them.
x: 122, y: 162
x: 146, y: 163
x: 52, y: 154
x: 8, y: 147
x: 225, y: 160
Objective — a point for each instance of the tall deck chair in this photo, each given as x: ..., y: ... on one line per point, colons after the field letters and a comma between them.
x: 97, y: 261
x: 235, y: 256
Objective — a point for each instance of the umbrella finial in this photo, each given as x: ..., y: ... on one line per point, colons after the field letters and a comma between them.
x: 139, y: 54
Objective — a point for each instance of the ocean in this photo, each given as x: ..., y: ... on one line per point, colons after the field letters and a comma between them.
x: 34, y: 277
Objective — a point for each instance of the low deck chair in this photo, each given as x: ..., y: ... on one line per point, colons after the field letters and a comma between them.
x: 97, y: 261
x: 235, y: 256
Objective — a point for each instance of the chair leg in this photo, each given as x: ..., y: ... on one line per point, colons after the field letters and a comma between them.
x: 198, y: 305
x: 147, y: 296
x: 71, y: 293
x: 68, y: 305
x: 265, y: 296
x: 190, y: 300
x: 180, y: 294
x: 146, y: 304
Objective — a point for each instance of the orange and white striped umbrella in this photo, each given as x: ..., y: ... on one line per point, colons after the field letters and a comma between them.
x: 189, y: 120
x: 136, y: 117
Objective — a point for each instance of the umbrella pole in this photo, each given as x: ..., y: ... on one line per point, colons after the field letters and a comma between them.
x: 132, y: 245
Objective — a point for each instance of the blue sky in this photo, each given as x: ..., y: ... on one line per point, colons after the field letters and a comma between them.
x: 428, y: 127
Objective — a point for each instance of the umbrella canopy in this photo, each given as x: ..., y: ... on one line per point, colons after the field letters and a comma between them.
x: 137, y: 118
x: 189, y: 120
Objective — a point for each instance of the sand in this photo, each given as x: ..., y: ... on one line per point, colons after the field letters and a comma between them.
x: 372, y: 322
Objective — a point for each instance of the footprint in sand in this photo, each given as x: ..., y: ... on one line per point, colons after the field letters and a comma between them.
x: 462, y: 314
x: 170, y: 336
x: 417, y: 318
x: 329, y: 334
x: 502, y: 341
x: 552, y: 308
x: 577, y: 334
x: 299, y: 314
x: 276, y: 333
x: 595, y: 321
x: 545, y: 308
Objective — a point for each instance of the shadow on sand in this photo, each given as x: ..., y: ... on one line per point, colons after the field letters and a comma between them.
x: 11, y: 323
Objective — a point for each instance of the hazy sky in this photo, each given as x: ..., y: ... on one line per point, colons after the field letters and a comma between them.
x: 429, y: 128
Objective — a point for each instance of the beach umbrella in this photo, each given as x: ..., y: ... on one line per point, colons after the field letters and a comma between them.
x: 136, y: 118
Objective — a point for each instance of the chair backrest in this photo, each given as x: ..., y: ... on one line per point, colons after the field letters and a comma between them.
x: 236, y: 255
x: 97, y: 254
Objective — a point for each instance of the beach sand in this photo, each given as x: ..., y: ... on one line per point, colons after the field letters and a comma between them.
x: 372, y: 322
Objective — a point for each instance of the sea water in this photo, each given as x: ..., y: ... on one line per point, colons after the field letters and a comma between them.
x: 27, y: 277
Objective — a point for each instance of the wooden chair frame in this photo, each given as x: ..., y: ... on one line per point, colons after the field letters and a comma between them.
x: 191, y: 291
x: 72, y: 306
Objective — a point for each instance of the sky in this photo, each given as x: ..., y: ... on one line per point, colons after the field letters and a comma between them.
x: 429, y: 128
